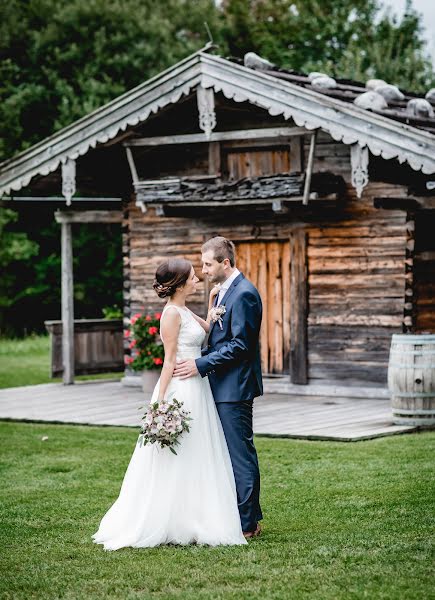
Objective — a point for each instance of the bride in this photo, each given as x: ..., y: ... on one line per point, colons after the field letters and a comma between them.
x: 189, y: 497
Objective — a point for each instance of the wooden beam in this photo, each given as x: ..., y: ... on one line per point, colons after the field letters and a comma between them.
x: 58, y: 199
x: 405, y: 203
x: 309, y: 170
x: 276, y: 204
x: 299, y: 309
x: 131, y: 164
x: 67, y: 305
x: 88, y: 216
x: 214, y: 159
x: 219, y: 136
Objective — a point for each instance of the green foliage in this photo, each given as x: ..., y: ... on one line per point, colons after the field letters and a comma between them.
x: 34, y: 286
x: 61, y: 59
x: 354, y: 39
x: 147, y: 348
x: 112, y: 312
x: 15, y: 247
x: 27, y: 362
x: 342, y: 522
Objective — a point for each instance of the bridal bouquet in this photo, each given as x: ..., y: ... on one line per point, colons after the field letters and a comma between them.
x: 164, y: 423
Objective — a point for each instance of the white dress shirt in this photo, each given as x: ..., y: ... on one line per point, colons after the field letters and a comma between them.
x: 226, y: 284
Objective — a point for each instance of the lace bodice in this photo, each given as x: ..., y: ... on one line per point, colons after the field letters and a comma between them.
x: 191, y: 334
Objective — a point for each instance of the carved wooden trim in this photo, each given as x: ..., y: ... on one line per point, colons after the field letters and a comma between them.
x: 68, y: 180
x: 207, y: 114
x: 359, y: 160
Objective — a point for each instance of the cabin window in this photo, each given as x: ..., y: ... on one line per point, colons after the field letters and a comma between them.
x: 240, y: 161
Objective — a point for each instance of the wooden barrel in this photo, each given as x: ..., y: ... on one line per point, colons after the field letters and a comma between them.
x: 411, y: 379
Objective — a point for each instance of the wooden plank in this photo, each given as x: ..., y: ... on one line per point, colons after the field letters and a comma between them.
x: 295, y: 155
x: 309, y: 170
x: 60, y: 199
x: 88, y: 216
x: 286, y: 306
x: 274, y: 414
x: 260, y: 255
x: 67, y: 305
x: 132, y: 165
x: 214, y: 158
x: 219, y: 136
x: 274, y: 308
x: 299, y: 309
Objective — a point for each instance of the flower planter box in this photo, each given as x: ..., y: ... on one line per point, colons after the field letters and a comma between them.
x: 98, y: 346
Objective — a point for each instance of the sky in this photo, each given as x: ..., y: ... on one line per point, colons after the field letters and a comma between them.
x: 427, y: 10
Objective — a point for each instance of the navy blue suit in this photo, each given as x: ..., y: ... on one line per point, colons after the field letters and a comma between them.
x: 232, y: 362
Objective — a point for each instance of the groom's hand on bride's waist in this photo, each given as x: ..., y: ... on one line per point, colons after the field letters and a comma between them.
x: 185, y: 369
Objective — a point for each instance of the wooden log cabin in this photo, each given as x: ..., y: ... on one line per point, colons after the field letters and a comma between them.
x: 330, y: 203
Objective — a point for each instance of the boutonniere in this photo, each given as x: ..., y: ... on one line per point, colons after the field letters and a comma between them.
x: 217, y: 313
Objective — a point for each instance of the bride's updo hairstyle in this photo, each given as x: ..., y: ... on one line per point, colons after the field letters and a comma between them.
x: 170, y: 275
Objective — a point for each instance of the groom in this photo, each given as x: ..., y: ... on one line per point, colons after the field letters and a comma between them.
x: 232, y: 362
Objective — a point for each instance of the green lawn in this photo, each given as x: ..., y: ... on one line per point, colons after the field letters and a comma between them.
x: 342, y: 521
x: 27, y: 362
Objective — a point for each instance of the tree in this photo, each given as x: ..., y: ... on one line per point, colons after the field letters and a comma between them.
x: 353, y: 39
x: 15, y: 247
x: 61, y: 59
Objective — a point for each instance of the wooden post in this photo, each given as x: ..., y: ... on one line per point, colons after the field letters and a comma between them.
x: 67, y: 305
x: 214, y: 159
x: 309, y: 170
x: 298, y: 308
x: 409, y: 312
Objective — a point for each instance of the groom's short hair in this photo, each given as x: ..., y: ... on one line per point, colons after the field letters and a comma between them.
x: 221, y: 248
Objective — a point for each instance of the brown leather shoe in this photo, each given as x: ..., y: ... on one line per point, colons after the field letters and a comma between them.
x: 251, y: 534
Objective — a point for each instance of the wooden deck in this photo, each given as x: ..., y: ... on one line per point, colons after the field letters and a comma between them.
x: 109, y: 403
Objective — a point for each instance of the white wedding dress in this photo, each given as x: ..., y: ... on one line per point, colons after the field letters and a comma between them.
x: 185, y: 498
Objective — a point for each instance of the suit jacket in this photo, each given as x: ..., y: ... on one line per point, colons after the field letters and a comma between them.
x: 232, y: 357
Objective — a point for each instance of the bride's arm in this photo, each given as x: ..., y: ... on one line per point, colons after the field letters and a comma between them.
x: 206, y: 324
x: 170, y: 329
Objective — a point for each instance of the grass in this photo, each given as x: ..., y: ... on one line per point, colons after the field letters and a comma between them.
x: 342, y: 521
x: 27, y: 362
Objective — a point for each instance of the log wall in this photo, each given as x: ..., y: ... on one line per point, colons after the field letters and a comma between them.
x: 355, y: 267
x: 356, y: 280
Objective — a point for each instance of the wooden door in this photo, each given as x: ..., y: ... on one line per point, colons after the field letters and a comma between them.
x: 267, y: 266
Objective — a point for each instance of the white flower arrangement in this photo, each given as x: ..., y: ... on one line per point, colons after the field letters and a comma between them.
x: 164, y: 423
x: 216, y: 314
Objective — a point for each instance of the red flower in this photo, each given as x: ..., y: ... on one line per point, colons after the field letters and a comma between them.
x: 152, y: 330
x: 158, y: 361
x: 148, y: 318
x: 127, y: 333
x: 158, y: 316
x: 128, y: 360
x: 149, y: 352
x: 132, y: 344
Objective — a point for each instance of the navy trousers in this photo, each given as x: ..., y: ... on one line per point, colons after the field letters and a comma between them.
x: 236, y: 419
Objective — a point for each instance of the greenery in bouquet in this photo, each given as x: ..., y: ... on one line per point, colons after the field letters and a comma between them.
x: 145, y: 343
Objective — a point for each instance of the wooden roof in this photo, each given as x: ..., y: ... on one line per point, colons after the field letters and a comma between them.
x: 383, y: 135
